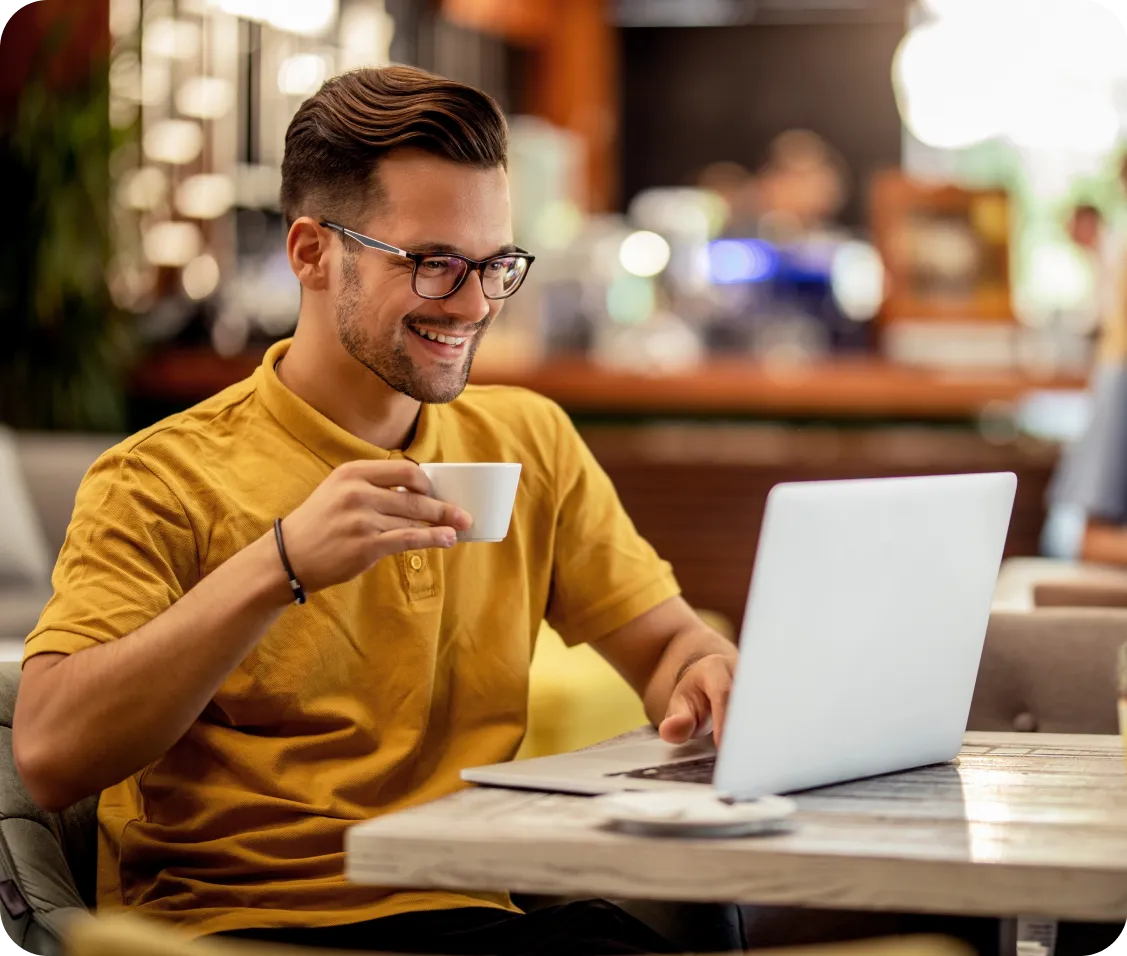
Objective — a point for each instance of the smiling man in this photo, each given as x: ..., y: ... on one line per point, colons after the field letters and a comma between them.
x: 263, y: 631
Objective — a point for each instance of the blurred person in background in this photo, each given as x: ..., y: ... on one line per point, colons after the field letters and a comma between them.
x: 802, y: 187
x: 263, y: 630
x: 1092, y: 475
x: 796, y: 194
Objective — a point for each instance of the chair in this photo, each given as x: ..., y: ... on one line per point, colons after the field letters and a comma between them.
x: 131, y: 936
x: 1050, y: 670
x: 47, y: 860
x: 126, y: 935
x: 1101, y: 588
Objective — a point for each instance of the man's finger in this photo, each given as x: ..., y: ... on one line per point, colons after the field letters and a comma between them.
x: 390, y: 474
x: 409, y: 504
x: 386, y: 523
x: 719, y: 689
x: 416, y: 539
x: 685, y: 718
x: 677, y: 728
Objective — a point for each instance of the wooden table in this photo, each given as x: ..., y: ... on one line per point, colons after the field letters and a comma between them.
x: 1021, y: 825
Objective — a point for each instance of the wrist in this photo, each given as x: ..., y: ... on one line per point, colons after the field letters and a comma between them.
x: 266, y: 581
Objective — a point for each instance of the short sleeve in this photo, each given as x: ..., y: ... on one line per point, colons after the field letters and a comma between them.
x: 604, y: 573
x: 129, y: 554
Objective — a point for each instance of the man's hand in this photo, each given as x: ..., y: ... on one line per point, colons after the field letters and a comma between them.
x: 364, y: 511
x: 699, y: 702
x: 680, y: 667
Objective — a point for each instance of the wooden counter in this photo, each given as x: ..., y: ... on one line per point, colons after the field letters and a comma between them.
x: 857, y: 388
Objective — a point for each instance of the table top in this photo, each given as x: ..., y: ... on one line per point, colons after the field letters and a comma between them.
x: 1020, y: 824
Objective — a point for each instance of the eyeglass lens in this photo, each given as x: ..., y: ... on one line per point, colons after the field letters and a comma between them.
x: 437, y: 276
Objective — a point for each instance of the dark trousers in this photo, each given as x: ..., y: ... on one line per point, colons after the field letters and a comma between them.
x: 582, y: 928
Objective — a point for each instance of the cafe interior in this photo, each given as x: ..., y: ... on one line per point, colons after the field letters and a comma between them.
x: 776, y: 241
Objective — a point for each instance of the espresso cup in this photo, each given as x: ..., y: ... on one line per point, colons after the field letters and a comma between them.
x: 485, y: 490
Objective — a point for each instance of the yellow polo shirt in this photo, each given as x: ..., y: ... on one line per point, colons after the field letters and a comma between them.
x: 370, y: 698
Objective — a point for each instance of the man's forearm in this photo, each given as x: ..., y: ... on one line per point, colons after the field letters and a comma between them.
x: 683, y: 650
x: 91, y: 719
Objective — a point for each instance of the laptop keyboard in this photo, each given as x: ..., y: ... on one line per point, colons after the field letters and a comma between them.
x: 699, y: 770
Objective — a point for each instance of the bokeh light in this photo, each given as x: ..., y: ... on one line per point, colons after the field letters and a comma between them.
x: 205, y: 97
x: 200, y: 277
x: 303, y: 17
x: 631, y: 299
x: 741, y: 260
x: 302, y: 74
x: 205, y: 196
x: 644, y: 253
x: 174, y: 141
x: 857, y: 280
x: 172, y: 243
x: 171, y: 39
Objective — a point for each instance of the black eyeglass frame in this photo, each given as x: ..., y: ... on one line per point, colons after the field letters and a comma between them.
x: 472, y: 265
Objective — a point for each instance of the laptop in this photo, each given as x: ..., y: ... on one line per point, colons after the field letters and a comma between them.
x: 860, y: 645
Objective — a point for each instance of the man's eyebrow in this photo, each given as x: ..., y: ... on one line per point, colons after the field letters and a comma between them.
x: 444, y: 248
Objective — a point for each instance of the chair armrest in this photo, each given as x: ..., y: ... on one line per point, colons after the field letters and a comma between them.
x: 1096, y: 593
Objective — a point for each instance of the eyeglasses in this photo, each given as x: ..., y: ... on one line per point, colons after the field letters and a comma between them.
x: 438, y: 275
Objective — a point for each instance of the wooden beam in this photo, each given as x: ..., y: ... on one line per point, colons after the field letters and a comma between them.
x: 574, y: 74
x: 575, y: 86
x: 524, y: 22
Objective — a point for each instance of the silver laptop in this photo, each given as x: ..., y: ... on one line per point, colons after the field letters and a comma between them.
x: 860, y: 646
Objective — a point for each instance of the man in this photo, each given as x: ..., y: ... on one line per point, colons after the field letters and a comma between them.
x: 1092, y: 475
x: 235, y: 734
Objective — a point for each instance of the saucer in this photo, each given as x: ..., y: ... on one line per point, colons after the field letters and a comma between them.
x: 685, y: 813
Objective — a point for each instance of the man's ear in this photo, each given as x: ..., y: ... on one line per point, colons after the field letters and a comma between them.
x: 308, y: 247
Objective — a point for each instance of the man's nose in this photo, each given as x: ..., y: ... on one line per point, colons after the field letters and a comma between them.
x: 469, y: 301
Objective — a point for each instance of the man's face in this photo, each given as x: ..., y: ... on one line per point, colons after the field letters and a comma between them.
x: 428, y: 204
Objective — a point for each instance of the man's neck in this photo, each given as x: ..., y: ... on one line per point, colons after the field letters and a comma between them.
x: 322, y: 374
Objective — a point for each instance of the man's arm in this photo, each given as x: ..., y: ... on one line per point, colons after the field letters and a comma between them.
x: 680, y: 667
x: 88, y: 720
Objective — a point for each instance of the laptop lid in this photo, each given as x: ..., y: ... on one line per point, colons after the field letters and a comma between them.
x: 864, y: 628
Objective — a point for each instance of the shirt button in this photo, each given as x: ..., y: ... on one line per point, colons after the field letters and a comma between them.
x: 416, y: 562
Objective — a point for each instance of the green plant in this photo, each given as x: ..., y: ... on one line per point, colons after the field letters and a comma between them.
x: 64, y: 346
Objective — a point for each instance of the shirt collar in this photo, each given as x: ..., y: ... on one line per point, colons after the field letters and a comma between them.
x: 324, y: 437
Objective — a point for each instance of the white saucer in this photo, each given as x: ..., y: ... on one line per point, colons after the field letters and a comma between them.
x: 685, y: 813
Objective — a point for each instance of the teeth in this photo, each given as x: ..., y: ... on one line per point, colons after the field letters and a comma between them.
x: 438, y: 337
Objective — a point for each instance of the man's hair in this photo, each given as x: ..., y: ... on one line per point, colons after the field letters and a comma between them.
x: 336, y: 139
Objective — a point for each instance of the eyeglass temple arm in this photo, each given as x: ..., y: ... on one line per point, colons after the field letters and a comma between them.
x: 367, y: 240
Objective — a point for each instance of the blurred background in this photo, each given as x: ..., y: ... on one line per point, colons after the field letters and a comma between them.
x: 775, y: 239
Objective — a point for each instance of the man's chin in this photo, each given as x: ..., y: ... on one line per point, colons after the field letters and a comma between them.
x: 431, y: 392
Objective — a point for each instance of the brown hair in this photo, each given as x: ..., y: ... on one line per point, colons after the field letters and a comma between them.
x: 337, y: 137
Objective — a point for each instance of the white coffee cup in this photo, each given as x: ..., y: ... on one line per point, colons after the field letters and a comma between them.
x: 485, y: 490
